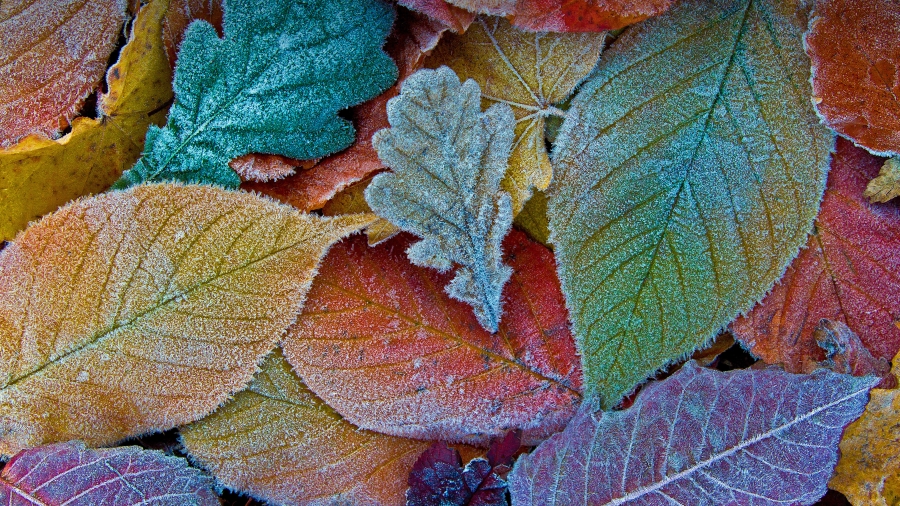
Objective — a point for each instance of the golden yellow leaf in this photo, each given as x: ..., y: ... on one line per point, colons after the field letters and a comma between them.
x: 868, y: 471
x: 141, y: 310
x: 533, y: 219
x: 277, y: 441
x: 530, y: 72
x: 887, y: 184
x: 38, y: 174
x: 352, y: 200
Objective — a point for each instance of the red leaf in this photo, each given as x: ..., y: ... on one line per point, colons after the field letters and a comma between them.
x: 180, y: 14
x: 451, y: 16
x: 845, y: 353
x: 382, y: 343
x: 413, y: 37
x: 584, y: 15
x: 700, y: 437
x: 70, y: 474
x: 848, y: 272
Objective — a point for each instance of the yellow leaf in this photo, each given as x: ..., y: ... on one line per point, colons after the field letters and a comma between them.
x: 530, y: 72
x: 533, y: 219
x: 141, y: 310
x: 38, y: 174
x: 352, y: 200
x: 887, y: 185
x: 868, y: 471
x: 279, y: 442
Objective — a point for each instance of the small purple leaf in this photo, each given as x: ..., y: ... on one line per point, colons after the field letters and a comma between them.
x: 70, y: 474
x: 700, y: 437
x: 436, y: 479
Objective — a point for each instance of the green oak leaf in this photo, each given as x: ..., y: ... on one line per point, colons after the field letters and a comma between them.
x: 688, y: 173
x: 273, y: 84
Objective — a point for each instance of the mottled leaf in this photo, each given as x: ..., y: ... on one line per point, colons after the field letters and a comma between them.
x: 140, y: 310
x: 688, y: 173
x: 848, y: 272
x: 868, y: 472
x: 273, y: 84
x: 528, y: 71
x: 701, y: 437
x: 52, y: 56
x: 855, y: 50
x: 278, y: 442
x: 68, y: 474
x: 413, y: 37
x: 37, y: 175
x: 382, y: 344
x: 352, y: 200
x: 845, y: 353
x: 452, y: 17
x: 886, y: 185
x: 448, y: 159
x: 584, y: 15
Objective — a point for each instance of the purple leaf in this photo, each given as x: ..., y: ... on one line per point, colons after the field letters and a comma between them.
x: 436, y: 479
x: 70, y: 474
x: 700, y: 437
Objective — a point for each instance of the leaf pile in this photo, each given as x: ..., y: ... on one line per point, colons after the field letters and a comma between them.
x: 616, y: 252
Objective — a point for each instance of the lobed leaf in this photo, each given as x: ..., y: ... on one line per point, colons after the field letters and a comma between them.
x: 53, y: 55
x: 700, y: 437
x: 278, y: 442
x: 528, y: 71
x: 141, y: 310
x: 68, y: 474
x: 38, y: 175
x: 385, y: 347
x: 448, y: 159
x: 273, y: 84
x: 688, y: 173
x: 848, y: 272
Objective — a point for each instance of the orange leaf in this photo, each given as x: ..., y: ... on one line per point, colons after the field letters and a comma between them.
x: 855, y: 50
x: 413, y: 37
x: 140, y: 310
x: 848, y: 272
x: 53, y: 55
x: 384, y: 345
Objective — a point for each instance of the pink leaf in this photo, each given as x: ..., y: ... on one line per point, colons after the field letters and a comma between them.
x: 701, y: 437
x: 69, y: 473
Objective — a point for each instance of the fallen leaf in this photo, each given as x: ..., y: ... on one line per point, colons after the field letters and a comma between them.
x: 451, y: 16
x: 229, y: 100
x: 352, y: 200
x: 382, y: 344
x: 687, y: 175
x: 845, y: 353
x: 180, y: 14
x: 701, y: 437
x: 528, y: 71
x: 140, y: 310
x: 533, y: 219
x: 278, y: 442
x: 263, y: 168
x: 38, y: 174
x: 855, y: 50
x: 52, y: 56
x: 448, y: 159
x: 848, y: 272
x: 584, y: 15
x: 886, y: 185
x: 868, y: 472
x: 68, y: 474
x: 412, y: 38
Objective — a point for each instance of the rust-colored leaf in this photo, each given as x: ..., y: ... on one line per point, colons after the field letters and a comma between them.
x: 264, y: 168
x: 53, y: 55
x: 413, y: 37
x: 848, y: 272
x: 584, y: 15
x: 180, y: 15
x: 451, y: 16
x: 383, y: 344
x: 855, y: 50
x: 140, y: 310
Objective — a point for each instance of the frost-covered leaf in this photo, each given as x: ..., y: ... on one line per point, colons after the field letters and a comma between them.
x: 382, y: 344
x: 264, y: 168
x: 412, y: 38
x: 52, y: 56
x: 68, y: 474
x: 533, y: 219
x: 179, y: 16
x: 448, y: 159
x: 352, y: 200
x: 528, y: 71
x: 700, y: 437
x: 868, y: 472
x: 38, y: 175
x: 136, y: 311
x: 855, y: 50
x: 848, y: 272
x: 451, y: 16
x: 886, y: 185
x: 273, y: 84
x: 278, y: 442
x: 845, y: 353
x: 584, y: 15
x: 688, y: 173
